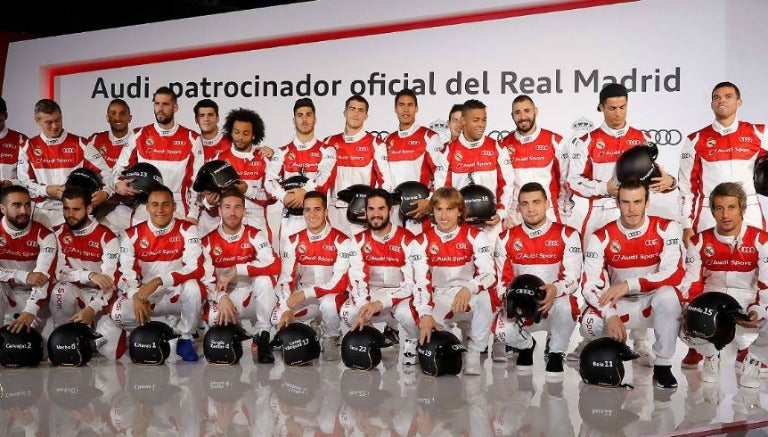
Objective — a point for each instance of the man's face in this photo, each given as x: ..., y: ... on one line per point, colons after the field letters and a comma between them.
x: 632, y: 205
x: 51, y: 125
x: 118, y: 117
x: 446, y: 216
x: 473, y: 124
x: 304, y: 120
x: 615, y: 112
x: 355, y: 114
x: 160, y: 206
x: 17, y: 209
x: 164, y: 108
x: 524, y: 116
x: 207, y: 120
x: 231, y: 211
x: 315, y: 215
x: 76, y: 213
x: 377, y: 213
x: 724, y: 102
x: 242, y: 135
x: 728, y: 214
x: 454, y: 124
x: 406, y: 110
x: 533, y: 207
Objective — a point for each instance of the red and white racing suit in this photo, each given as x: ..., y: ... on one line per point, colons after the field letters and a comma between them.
x: 115, y: 213
x: 92, y: 249
x: 23, y: 251
x: 46, y: 161
x: 318, y: 266
x: 360, y: 159
x: 11, y: 142
x: 384, y: 272
x: 539, y: 157
x: 734, y: 265
x: 457, y: 259
x: 415, y: 154
x: 552, y: 253
x: 252, y: 290
x: 718, y: 154
x: 650, y: 260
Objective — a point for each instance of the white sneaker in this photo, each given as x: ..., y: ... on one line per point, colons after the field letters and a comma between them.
x: 646, y: 356
x: 499, y: 352
x: 750, y: 374
x: 472, y: 366
x: 576, y: 354
x: 331, y: 352
x: 409, y: 356
x: 710, y: 371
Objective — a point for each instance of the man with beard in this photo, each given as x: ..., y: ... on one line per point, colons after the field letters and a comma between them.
x: 86, y: 266
x: 27, y: 261
x: 538, y: 155
x: 174, y: 149
x: 242, y: 270
x: 383, y: 276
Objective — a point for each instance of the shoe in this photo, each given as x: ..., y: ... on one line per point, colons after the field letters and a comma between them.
x: 750, y: 373
x: 499, y: 352
x: 692, y: 359
x: 511, y: 351
x: 739, y: 365
x: 331, y: 352
x: 391, y: 335
x: 409, y: 356
x: 524, y: 362
x: 710, y: 372
x: 554, y: 367
x: 264, y: 353
x: 576, y: 354
x: 663, y: 377
x: 646, y: 356
x: 185, y: 348
x: 473, y: 366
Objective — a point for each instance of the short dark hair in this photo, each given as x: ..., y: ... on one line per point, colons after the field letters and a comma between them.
x: 232, y: 192
x: 158, y: 188
x: 380, y: 193
x: 303, y: 102
x: 206, y: 103
x: 472, y: 104
x: 532, y: 187
x: 458, y: 107
x: 247, y: 116
x: 119, y: 101
x: 167, y: 91
x: 633, y: 184
x: 3, y: 106
x: 316, y: 195
x: 357, y: 98
x: 75, y: 192
x: 11, y: 189
x: 522, y: 98
x: 727, y: 84
x: 46, y: 106
x: 406, y: 92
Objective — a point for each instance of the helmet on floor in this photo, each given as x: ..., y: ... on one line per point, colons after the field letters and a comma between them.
x: 441, y: 355
x: 21, y: 349
x: 70, y: 344
x: 223, y: 344
x: 361, y: 349
x: 602, y: 362
x: 149, y: 343
x: 299, y: 343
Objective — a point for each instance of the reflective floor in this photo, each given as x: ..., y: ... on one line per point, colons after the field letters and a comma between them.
x: 199, y: 399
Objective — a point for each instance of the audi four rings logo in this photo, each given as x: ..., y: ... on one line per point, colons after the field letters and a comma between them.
x: 380, y: 135
x: 499, y: 135
x: 665, y: 137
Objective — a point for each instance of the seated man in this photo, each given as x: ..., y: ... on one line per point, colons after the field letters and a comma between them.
x: 242, y: 270
x: 383, y: 276
x: 314, y: 278
x: 459, y: 274
x: 632, y: 267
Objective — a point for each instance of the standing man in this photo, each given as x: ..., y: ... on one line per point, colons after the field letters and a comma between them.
x: 172, y: 148
x: 383, y: 276
x: 632, y: 268
x: 724, y: 151
x: 86, y: 266
x: 454, y: 123
x: 46, y: 160
x: 27, y: 261
x: 538, y: 155
x: 552, y: 252
x: 212, y: 139
x: 11, y: 142
x: 242, y: 270
x: 414, y: 153
x: 304, y: 156
x: 360, y: 159
x: 460, y: 273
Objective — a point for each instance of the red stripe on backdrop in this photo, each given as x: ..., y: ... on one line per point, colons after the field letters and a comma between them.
x: 52, y: 72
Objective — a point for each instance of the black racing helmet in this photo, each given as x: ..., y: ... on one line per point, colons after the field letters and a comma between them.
x: 84, y: 178
x: 361, y: 349
x: 299, y: 343
x: 354, y: 195
x: 480, y: 202
x: 602, y: 362
x: 214, y: 176
x: 406, y: 193
x: 712, y: 316
x: 149, y: 343
x: 760, y: 177
x: 223, y: 344
x: 145, y: 178
x: 441, y: 355
x: 21, y: 349
x: 523, y: 295
x: 291, y: 183
x: 70, y: 344
x: 638, y: 163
